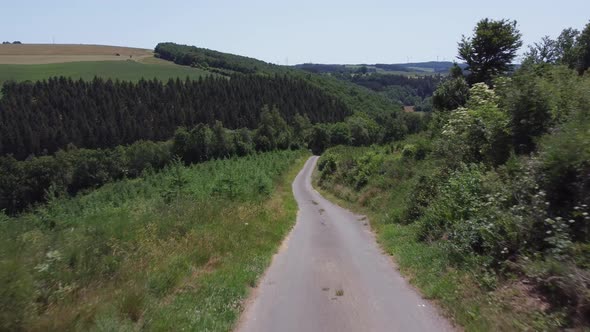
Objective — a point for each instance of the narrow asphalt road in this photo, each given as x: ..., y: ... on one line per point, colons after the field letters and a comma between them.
x: 330, y: 275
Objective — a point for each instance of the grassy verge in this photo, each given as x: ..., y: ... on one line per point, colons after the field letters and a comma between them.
x: 381, y: 188
x: 176, y: 250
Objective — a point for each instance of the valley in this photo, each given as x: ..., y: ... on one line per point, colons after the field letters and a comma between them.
x: 184, y: 188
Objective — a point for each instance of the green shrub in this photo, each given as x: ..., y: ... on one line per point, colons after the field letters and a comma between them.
x: 490, y: 232
x: 327, y: 166
x: 264, y: 185
x: 339, y: 134
x: 177, y: 180
x: 327, y: 163
x: 422, y: 150
x: 366, y: 165
x: 528, y: 106
x: 364, y: 130
x: 409, y: 151
x: 458, y: 200
x: 421, y: 195
x: 318, y: 139
x: 564, y: 169
x: 451, y: 94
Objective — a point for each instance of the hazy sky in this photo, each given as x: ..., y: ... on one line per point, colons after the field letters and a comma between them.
x: 320, y: 31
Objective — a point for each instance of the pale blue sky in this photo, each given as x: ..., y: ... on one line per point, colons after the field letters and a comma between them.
x: 329, y: 31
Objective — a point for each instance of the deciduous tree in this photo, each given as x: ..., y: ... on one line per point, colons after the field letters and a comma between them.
x: 583, y: 50
x: 450, y: 95
x: 490, y: 50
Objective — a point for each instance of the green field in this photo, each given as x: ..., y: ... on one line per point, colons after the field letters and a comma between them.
x: 174, y: 250
x: 122, y: 70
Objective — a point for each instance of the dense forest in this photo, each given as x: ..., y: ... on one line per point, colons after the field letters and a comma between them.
x: 488, y: 209
x: 319, y: 68
x: 424, y: 86
x: 441, y: 67
x: 205, y: 58
x: 72, y: 169
x: 412, y: 89
x: 42, y: 117
x: 406, y: 90
x: 355, y: 97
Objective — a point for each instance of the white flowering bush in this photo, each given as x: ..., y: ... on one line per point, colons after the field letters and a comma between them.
x: 478, y: 132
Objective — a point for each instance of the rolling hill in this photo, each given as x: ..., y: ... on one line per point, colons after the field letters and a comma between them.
x: 40, y: 61
x: 415, y: 68
x: 357, y: 98
x: 33, y: 62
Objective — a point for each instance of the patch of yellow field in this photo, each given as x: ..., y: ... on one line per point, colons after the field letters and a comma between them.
x: 56, y: 53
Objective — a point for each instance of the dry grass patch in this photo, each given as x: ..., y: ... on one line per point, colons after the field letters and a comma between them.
x: 56, y: 53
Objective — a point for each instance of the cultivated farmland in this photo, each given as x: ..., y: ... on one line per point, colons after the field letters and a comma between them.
x: 27, y: 54
x: 40, y: 61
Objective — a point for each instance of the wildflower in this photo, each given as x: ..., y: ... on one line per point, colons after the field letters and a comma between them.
x: 42, y: 267
x: 548, y: 232
x: 54, y: 255
x: 585, y: 214
x: 572, y: 221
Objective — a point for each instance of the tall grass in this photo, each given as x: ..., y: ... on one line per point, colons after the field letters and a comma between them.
x: 172, y: 250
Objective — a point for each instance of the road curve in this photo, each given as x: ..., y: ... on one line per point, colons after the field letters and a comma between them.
x: 330, y: 275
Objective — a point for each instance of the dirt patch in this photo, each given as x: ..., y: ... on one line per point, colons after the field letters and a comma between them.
x: 366, y: 196
x: 522, y: 295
